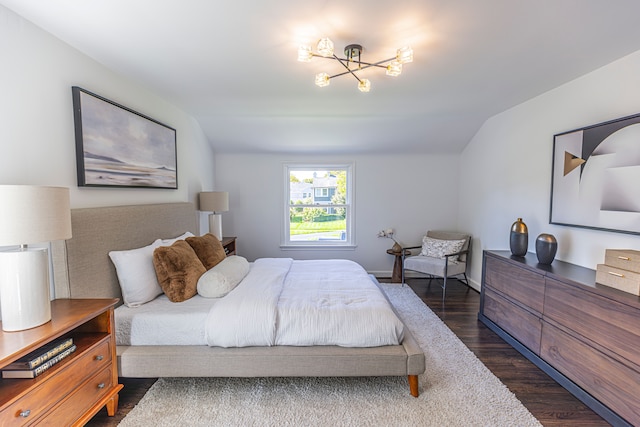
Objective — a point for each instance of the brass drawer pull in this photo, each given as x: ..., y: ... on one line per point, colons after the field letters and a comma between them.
x: 625, y: 258
x: 99, y: 357
x: 25, y: 414
x: 616, y: 274
x: 101, y: 385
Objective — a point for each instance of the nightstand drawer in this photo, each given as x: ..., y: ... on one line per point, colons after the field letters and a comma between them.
x: 59, y: 382
x: 81, y: 400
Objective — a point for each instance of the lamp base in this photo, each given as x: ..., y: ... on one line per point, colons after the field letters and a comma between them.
x: 215, y: 225
x: 24, y: 289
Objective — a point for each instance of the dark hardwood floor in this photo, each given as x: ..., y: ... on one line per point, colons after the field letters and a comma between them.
x: 551, y: 404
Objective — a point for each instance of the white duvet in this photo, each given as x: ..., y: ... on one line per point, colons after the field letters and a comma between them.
x: 304, y: 303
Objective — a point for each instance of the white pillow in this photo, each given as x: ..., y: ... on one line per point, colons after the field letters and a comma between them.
x: 136, y: 274
x: 169, y: 242
x: 220, y: 279
x: 437, y: 248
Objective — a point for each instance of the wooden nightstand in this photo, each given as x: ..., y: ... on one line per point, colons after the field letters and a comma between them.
x: 72, y: 391
x: 229, y: 245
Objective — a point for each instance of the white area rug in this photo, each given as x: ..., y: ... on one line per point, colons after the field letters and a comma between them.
x: 456, y: 390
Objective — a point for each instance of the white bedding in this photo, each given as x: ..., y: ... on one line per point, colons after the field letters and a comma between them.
x: 280, y: 302
x: 162, y: 322
x: 303, y: 303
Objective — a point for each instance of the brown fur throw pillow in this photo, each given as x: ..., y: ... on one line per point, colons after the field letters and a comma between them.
x: 208, y: 248
x: 178, y: 269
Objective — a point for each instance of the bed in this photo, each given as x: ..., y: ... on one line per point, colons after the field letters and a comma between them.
x: 82, y: 269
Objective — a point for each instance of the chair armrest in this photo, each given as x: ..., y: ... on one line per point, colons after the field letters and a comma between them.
x: 457, y: 253
x: 408, y: 248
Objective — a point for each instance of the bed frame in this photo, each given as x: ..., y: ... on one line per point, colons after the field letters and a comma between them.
x: 82, y: 269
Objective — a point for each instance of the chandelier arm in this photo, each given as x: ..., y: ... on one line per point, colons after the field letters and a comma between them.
x: 359, y: 69
x: 342, y: 74
x: 375, y: 64
x: 347, y: 67
x: 368, y: 64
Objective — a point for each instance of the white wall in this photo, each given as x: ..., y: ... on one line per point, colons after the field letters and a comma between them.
x: 37, y: 133
x: 506, y: 168
x: 406, y: 192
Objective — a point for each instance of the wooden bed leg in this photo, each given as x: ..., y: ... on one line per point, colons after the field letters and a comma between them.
x: 413, y: 385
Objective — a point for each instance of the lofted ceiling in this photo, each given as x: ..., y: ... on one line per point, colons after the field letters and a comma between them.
x: 232, y: 64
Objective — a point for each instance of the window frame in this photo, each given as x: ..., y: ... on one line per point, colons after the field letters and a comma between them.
x: 350, y: 242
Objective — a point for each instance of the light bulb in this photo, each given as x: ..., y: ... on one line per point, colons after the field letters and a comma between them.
x: 322, y: 79
x: 304, y: 54
x: 325, y: 47
x: 394, y: 69
x: 404, y: 55
x: 364, y: 85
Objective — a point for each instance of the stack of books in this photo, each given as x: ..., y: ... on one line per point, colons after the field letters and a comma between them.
x: 38, y: 361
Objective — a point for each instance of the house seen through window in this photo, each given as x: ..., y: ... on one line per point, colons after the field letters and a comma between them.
x: 318, y: 206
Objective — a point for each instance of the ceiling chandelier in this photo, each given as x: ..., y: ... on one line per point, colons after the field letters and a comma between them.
x: 352, y: 63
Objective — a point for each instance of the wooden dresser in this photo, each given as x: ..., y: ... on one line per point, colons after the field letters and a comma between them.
x: 585, y: 335
x: 73, y: 390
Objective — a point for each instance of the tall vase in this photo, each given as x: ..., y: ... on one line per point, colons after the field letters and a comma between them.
x: 546, y: 248
x: 519, y: 238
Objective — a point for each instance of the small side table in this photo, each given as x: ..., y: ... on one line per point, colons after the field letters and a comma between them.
x: 396, y: 276
x: 229, y: 245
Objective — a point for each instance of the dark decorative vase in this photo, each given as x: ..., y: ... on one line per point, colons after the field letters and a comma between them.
x: 519, y: 238
x: 546, y: 248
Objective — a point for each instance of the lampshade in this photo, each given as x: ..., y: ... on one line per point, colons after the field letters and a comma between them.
x: 325, y: 47
x: 322, y: 79
x: 304, y: 54
x: 394, y: 69
x: 404, y: 55
x: 33, y: 214
x: 214, y: 201
x: 29, y: 214
x: 364, y: 85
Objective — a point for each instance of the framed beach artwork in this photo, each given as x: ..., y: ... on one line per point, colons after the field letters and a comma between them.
x: 596, y: 171
x: 118, y: 147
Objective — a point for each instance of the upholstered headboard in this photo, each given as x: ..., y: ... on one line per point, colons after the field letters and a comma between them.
x: 81, y: 265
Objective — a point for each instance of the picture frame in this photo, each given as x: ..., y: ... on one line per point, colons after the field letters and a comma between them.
x: 119, y: 147
x: 595, y: 176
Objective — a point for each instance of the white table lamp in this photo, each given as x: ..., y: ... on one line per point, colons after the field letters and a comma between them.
x: 29, y: 214
x: 216, y: 202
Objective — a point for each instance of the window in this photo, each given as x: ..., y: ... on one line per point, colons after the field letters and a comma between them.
x: 318, y: 208
x: 322, y: 192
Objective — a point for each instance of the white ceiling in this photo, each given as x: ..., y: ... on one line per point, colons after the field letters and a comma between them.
x: 232, y: 63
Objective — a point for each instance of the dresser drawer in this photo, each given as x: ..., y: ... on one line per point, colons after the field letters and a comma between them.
x: 519, y: 323
x: 612, y: 383
x: 610, y: 324
x: 58, y: 383
x: 81, y: 400
x: 521, y: 285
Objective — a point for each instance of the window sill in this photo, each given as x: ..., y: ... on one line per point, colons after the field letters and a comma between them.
x: 318, y: 247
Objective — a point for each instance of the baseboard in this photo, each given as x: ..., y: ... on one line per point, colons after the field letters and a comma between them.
x: 473, y: 284
x: 380, y: 274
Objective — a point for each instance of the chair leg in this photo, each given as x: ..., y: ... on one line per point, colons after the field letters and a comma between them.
x: 444, y: 288
x: 465, y: 280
